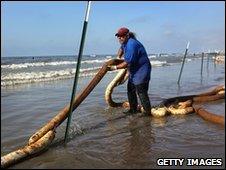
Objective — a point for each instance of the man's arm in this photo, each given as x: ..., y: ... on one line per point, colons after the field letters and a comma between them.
x: 119, y: 66
x: 120, y: 53
x: 122, y: 65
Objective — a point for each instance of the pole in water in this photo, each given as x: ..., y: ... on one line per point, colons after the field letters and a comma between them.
x: 202, y: 63
x: 77, y: 70
x: 183, y: 62
x: 208, y: 59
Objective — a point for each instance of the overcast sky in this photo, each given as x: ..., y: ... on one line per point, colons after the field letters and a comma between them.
x: 54, y: 28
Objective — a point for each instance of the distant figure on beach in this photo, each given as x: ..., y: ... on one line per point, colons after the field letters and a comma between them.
x: 139, y: 67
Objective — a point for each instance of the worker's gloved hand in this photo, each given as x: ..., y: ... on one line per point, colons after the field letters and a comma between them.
x: 111, y: 68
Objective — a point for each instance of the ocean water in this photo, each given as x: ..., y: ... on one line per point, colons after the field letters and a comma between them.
x: 34, y: 89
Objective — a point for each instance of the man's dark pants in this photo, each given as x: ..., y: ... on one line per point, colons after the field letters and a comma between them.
x: 142, y: 91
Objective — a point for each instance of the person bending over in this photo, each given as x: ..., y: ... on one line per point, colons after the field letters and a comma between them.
x: 139, y: 68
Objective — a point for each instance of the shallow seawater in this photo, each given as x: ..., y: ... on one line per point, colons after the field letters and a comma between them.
x: 102, y: 137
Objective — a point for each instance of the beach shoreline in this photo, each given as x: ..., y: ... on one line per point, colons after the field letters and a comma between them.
x: 99, y: 137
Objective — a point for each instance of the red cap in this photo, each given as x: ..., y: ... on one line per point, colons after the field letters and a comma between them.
x: 122, y: 31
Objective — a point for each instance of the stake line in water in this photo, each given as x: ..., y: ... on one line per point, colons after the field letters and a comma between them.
x: 77, y: 70
x: 178, y: 81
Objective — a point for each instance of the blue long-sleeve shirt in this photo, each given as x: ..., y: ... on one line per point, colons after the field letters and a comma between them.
x: 136, y: 57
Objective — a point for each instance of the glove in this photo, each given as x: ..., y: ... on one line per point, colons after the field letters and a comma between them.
x: 111, y: 68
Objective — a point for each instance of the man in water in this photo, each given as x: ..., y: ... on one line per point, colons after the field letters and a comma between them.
x: 139, y: 67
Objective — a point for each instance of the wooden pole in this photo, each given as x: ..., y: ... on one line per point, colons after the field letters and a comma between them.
x: 183, y: 62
